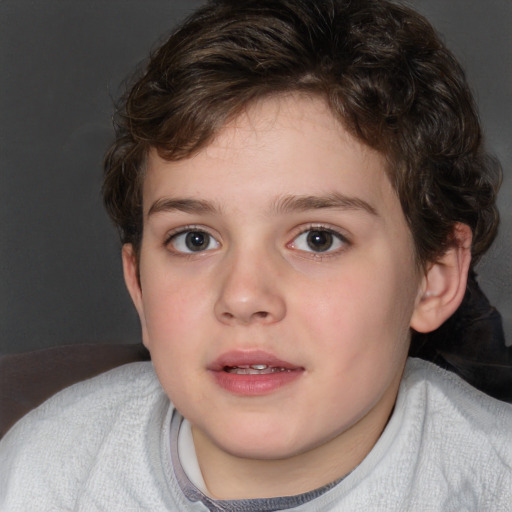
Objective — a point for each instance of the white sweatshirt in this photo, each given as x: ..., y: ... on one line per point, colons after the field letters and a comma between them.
x: 106, y: 445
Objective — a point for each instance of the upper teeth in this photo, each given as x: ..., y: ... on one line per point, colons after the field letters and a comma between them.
x: 254, y: 369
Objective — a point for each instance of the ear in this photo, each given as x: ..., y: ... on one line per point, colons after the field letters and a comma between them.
x: 131, y: 278
x: 444, y: 284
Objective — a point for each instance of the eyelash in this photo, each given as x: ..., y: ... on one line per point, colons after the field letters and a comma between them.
x: 183, y: 231
x: 336, y: 237
x: 344, y: 242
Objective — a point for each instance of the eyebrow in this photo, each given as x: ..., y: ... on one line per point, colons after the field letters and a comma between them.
x: 285, y: 204
x: 183, y: 205
x: 335, y: 200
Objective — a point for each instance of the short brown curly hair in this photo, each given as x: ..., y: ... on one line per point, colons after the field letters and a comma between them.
x: 382, y: 70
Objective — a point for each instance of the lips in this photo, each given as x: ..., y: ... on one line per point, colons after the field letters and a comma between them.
x: 252, y: 373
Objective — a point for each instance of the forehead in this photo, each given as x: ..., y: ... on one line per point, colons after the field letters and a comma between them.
x: 279, y: 146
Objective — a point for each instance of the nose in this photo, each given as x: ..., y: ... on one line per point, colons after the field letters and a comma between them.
x: 249, y: 292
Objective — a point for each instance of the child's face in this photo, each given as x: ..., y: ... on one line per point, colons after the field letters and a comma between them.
x: 282, y: 244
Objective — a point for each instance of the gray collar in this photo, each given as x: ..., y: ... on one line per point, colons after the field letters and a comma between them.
x: 193, y: 494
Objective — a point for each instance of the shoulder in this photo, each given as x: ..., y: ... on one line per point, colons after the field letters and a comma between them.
x: 443, y: 390
x: 105, y: 397
x: 466, y: 435
x: 105, y: 393
x: 446, y: 445
x: 56, y: 445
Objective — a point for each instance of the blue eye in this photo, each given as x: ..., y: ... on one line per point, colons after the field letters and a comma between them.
x: 319, y: 240
x: 193, y: 241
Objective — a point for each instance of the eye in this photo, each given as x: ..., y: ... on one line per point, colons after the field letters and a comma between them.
x: 191, y: 241
x: 319, y: 240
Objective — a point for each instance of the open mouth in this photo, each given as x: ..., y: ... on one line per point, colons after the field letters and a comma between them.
x: 253, y: 372
x: 255, y: 369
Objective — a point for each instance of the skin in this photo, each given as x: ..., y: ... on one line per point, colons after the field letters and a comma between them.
x: 341, y: 316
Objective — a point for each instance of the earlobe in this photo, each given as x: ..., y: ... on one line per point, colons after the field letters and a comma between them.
x: 131, y: 276
x: 444, y: 284
x: 132, y: 280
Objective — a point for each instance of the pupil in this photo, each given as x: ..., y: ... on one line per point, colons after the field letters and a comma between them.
x: 197, y: 241
x: 319, y: 241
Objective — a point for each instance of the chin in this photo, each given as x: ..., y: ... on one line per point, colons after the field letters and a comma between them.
x: 260, y: 443
x: 264, y: 451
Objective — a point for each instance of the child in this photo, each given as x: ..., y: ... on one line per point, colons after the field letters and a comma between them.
x: 299, y: 186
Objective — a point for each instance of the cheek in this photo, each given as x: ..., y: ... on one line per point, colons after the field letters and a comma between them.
x: 172, y: 315
x: 176, y: 326
x: 367, y: 305
x: 174, y: 290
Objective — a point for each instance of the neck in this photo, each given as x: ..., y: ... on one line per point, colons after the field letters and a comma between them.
x: 230, y: 477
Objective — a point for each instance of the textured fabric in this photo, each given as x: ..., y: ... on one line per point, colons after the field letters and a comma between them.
x: 104, y: 445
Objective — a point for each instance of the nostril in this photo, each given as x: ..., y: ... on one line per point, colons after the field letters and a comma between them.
x: 257, y: 314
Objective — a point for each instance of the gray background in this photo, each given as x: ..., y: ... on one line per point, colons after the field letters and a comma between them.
x: 62, y: 62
